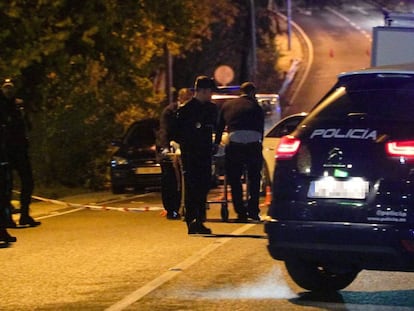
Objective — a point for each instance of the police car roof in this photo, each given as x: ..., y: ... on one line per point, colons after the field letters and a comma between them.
x: 388, y: 69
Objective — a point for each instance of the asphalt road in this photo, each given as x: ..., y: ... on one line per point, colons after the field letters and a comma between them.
x: 340, y: 41
x: 120, y: 253
x: 105, y: 252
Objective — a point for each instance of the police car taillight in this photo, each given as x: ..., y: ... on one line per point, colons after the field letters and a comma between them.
x: 288, y: 147
x: 403, y: 148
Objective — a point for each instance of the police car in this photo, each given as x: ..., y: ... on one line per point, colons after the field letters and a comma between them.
x: 343, y: 188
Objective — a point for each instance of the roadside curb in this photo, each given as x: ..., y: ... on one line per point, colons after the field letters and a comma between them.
x: 295, y: 63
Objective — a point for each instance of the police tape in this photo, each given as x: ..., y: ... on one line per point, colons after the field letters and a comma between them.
x: 100, y: 207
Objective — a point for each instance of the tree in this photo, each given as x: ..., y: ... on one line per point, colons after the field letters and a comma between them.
x: 230, y: 45
x: 87, y: 69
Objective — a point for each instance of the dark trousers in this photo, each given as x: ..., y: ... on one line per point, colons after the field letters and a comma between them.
x: 20, y: 162
x: 170, y: 185
x: 197, y: 178
x: 5, y: 212
x: 241, y: 157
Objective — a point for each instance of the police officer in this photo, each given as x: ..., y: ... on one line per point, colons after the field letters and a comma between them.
x: 195, y: 126
x: 244, y: 118
x: 15, y: 123
x: 170, y: 167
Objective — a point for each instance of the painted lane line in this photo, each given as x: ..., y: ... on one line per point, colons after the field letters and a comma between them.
x: 173, y: 272
x: 100, y: 207
x: 60, y: 213
x: 333, y: 11
x: 124, y: 198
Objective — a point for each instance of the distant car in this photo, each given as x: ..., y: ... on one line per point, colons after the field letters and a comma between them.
x: 270, y: 103
x: 134, y: 164
x: 343, y: 188
x: 271, y: 142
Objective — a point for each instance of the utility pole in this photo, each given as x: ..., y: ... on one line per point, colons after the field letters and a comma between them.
x: 253, y: 41
x: 289, y: 22
x: 168, y: 75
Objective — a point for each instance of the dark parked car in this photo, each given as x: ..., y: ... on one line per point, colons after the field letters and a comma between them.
x: 134, y: 164
x: 343, y: 188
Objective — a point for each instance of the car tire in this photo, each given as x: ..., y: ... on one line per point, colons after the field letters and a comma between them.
x: 315, y: 277
x: 116, y: 189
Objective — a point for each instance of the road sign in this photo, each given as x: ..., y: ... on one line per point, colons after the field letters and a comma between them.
x: 224, y: 74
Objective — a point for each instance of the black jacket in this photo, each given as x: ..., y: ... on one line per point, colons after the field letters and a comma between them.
x: 196, y: 123
x: 243, y: 113
x: 13, y: 122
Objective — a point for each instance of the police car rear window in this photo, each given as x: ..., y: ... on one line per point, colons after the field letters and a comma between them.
x: 376, y: 97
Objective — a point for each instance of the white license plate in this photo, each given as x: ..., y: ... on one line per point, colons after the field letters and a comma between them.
x: 148, y: 170
x: 329, y: 187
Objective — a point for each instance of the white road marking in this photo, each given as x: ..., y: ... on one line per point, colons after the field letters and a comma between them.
x: 333, y: 11
x: 359, y: 9
x: 93, y: 206
x: 60, y: 213
x: 174, y: 271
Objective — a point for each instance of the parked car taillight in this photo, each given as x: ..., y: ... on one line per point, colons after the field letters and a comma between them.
x: 288, y: 147
x: 403, y: 148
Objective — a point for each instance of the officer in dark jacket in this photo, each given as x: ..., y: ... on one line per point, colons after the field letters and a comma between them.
x: 195, y: 126
x: 244, y: 119
x: 170, y: 166
x: 14, y: 121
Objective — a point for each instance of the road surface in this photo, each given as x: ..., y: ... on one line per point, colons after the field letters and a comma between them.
x: 105, y: 252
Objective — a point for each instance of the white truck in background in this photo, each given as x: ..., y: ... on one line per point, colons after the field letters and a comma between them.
x: 394, y: 43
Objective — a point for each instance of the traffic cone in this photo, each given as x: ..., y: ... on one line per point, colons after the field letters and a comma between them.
x: 268, y: 197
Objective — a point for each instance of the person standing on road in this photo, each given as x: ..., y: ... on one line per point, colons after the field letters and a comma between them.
x: 15, y: 126
x: 244, y: 119
x: 196, y: 122
x: 170, y: 167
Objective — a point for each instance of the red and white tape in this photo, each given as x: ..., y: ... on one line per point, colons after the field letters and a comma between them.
x: 101, y: 207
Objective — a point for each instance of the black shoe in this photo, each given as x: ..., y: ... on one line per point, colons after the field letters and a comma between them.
x: 254, y: 216
x: 173, y: 216
x: 6, y: 237
x: 28, y: 221
x: 203, y: 229
x: 192, y: 227
x: 198, y: 228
